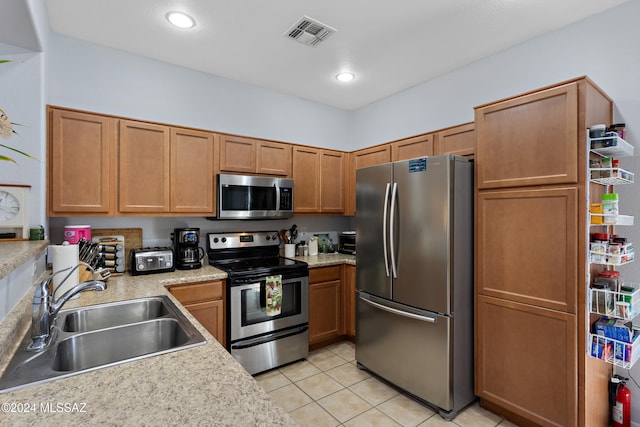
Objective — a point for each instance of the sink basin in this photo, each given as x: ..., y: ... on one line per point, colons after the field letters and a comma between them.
x: 94, y: 337
x: 114, y: 314
x: 86, y: 351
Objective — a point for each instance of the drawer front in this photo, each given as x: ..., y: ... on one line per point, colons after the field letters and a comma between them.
x: 324, y: 274
x: 196, y: 292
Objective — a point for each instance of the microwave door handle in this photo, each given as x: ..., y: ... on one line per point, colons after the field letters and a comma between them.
x: 384, y: 229
x: 394, y: 193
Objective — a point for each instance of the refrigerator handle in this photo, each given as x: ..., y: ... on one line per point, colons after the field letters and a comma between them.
x: 399, y: 312
x: 394, y: 268
x: 384, y: 229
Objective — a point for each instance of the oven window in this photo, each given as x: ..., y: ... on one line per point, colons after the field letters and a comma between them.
x: 253, y: 303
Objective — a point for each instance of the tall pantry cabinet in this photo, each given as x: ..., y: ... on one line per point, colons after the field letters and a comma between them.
x: 531, y: 240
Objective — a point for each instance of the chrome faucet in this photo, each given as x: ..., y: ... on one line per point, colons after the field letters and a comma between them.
x: 45, y: 307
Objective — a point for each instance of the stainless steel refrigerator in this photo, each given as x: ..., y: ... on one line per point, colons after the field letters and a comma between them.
x: 414, y: 276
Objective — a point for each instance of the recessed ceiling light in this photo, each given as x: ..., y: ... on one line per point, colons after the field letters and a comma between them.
x: 181, y: 20
x: 345, y: 77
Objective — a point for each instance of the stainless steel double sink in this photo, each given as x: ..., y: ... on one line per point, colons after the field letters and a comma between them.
x: 93, y: 337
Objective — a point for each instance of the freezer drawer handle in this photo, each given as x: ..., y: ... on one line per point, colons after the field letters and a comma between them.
x: 399, y: 312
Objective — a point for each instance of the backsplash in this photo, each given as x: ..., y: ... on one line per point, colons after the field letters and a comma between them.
x: 156, y: 231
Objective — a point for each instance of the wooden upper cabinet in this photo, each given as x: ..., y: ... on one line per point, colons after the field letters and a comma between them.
x: 254, y: 156
x: 319, y: 180
x: 372, y: 156
x: 81, y: 163
x: 527, y: 244
x: 361, y: 159
x: 529, y: 140
x: 332, y: 180
x: 192, y: 177
x: 459, y: 140
x: 306, y: 175
x: 410, y: 148
x: 274, y: 158
x: 144, y: 159
x: 237, y: 154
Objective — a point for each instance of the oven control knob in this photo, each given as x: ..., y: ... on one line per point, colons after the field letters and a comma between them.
x: 215, y: 240
x: 268, y: 237
x: 274, y: 237
x: 224, y: 239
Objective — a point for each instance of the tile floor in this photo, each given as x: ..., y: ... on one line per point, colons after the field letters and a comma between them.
x: 328, y: 389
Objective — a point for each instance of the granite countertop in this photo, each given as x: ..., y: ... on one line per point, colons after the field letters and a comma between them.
x: 14, y: 254
x: 202, y: 385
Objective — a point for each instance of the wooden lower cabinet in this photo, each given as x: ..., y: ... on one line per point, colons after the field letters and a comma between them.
x: 325, y: 305
x: 526, y: 361
x: 205, y: 301
x: 349, y: 287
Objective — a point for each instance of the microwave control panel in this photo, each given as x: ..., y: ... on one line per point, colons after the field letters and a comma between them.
x: 286, y: 198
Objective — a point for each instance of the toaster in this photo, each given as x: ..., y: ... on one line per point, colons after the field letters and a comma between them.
x: 347, y: 243
x: 151, y: 260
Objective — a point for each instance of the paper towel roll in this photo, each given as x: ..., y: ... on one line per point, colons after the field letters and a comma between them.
x: 64, y: 256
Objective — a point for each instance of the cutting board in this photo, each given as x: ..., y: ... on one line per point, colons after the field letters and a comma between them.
x: 132, y: 239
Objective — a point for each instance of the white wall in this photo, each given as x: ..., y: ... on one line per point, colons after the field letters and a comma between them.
x: 604, y: 47
x: 95, y: 78
x: 22, y: 97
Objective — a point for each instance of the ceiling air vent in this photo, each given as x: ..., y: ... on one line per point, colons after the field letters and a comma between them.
x: 309, y: 31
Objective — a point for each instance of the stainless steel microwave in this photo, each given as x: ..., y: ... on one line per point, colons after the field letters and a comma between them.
x: 254, y: 197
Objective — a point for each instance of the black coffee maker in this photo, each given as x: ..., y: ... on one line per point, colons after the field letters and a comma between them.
x: 185, y: 245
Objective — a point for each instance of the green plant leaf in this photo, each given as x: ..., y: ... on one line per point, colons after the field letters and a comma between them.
x: 8, y: 159
x: 17, y: 151
x: 2, y: 61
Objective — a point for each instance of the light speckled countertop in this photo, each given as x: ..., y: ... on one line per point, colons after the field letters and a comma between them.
x: 14, y: 254
x: 202, y: 385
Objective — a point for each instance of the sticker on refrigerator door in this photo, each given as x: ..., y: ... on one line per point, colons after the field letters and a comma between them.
x: 418, y: 165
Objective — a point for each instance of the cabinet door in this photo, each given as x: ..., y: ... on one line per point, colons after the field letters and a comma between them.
x: 274, y: 158
x: 373, y: 156
x: 526, y: 246
x: 81, y: 163
x: 459, y: 140
x: 306, y: 176
x: 237, y: 154
x: 144, y: 167
x: 192, y: 172
x: 360, y: 159
x: 211, y: 315
x: 349, y: 287
x: 410, y: 148
x: 529, y: 140
x: 325, y: 314
x: 332, y: 169
x: 526, y: 360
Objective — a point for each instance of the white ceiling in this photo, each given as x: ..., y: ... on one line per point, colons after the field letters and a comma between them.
x: 390, y: 45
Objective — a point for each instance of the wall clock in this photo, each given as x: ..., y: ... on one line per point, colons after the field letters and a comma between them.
x: 14, y: 211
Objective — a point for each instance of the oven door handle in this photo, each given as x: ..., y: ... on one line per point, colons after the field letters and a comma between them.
x: 252, y: 342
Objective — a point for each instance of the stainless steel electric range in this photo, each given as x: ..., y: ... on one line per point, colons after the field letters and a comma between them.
x: 267, y: 299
